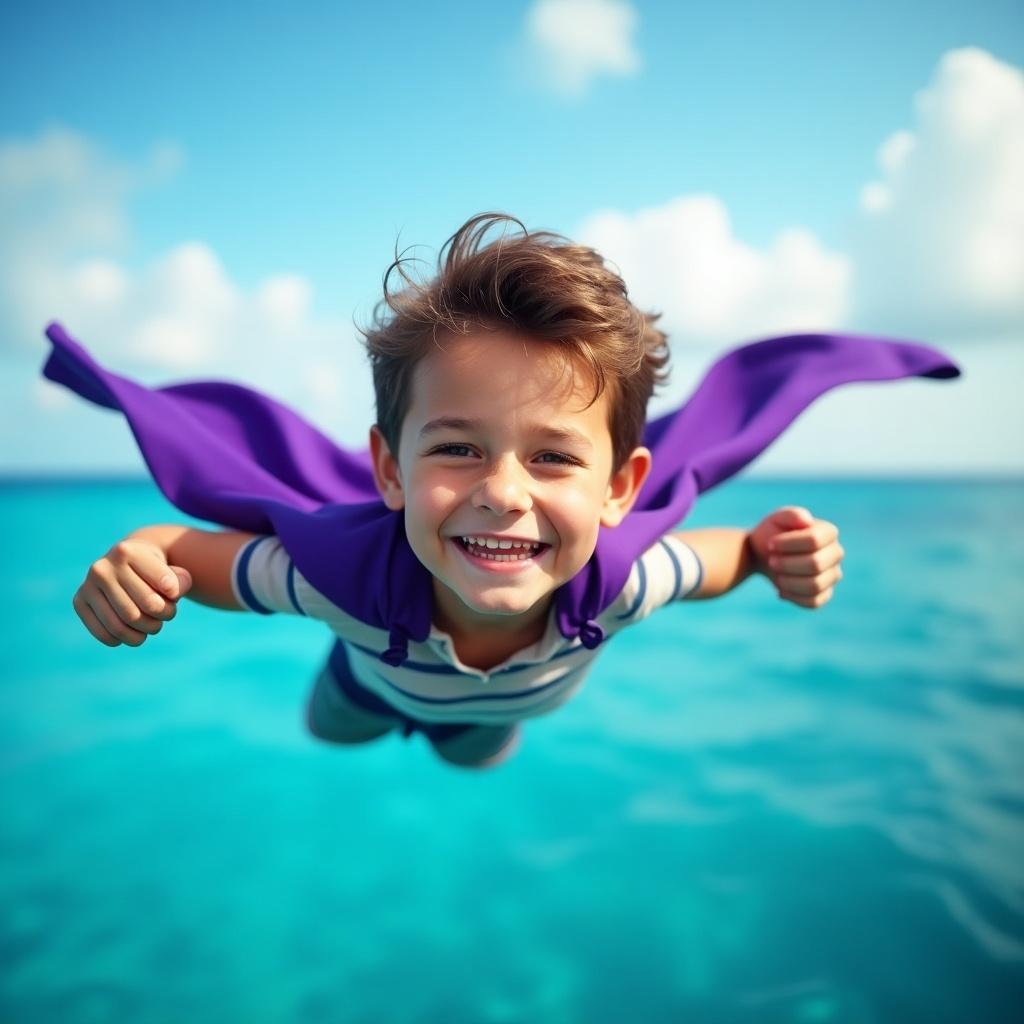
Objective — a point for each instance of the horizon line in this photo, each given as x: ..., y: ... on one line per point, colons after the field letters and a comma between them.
x: 869, y: 476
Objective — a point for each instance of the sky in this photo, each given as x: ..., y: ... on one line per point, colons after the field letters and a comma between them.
x: 215, y: 191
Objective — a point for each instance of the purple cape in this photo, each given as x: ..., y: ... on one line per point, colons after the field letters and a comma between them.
x: 234, y: 456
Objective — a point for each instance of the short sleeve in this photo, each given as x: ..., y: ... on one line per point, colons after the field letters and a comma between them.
x: 667, y: 571
x: 263, y: 577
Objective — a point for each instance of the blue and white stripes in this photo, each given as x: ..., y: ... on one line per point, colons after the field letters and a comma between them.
x: 263, y: 565
x: 668, y: 571
x: 433, y: 684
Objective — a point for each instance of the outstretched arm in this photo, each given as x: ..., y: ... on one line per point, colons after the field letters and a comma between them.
x: 208, y: 555
x: 725, y: 557
x: 798, y: 553
x: 134, y: 588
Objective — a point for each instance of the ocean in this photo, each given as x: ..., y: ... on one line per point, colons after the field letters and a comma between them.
x: 752, y: 812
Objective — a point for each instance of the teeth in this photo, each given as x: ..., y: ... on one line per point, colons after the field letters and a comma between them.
x: 493, y: 543
x: 519, y: 550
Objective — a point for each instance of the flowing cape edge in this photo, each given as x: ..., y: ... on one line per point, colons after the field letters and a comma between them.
x: 234, y: 456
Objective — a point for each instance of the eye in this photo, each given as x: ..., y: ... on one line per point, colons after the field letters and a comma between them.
x: 458, y: 451
x: 451, y: 449
x: 561, y: 459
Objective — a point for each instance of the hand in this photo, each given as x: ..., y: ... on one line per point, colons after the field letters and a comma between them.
x: 799, y: 554
x: 129, y: 593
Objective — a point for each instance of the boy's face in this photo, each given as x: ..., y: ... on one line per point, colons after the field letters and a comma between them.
x: 497, y: 444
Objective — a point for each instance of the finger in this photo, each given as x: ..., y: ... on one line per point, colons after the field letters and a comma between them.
x: 791, y: 517
x: 808, y: 602
x: 126, y: 632
x: 93, y: 624
x: 144, y: 597
x: 149, y: 565
x: 808, y: 565
x: 808, y: 586
x: 108, y: 585
x: 795, y: 542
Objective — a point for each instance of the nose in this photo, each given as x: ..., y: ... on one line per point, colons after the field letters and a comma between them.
x: 504, y: 488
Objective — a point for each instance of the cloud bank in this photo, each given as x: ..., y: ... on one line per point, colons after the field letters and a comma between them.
x: 684, y: 260
x: 939, y: 247
x: 936, y: 249
x: 66, y: 254
x: 936, y: 253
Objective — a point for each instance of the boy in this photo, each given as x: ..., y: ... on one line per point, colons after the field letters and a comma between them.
x: 511, y: 400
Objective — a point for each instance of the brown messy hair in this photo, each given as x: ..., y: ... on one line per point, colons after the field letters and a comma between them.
x: 538, y: 283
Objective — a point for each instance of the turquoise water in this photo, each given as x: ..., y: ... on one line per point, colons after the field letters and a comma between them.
x: 752, y: 813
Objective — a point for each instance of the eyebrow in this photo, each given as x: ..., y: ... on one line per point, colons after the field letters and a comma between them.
x: 568, y: 434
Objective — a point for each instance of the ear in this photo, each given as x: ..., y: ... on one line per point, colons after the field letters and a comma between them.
x: 386, y: 474
x: 625, y: 486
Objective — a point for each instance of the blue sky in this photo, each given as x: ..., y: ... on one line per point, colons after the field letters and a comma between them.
x: 277, y: 153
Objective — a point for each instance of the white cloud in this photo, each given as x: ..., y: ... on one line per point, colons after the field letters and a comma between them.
x: 571, y: 42
x: 939, y: 248
x: 284, y: 300
x: 60, y: 193
x: 99, y: 281
x: 682, y: 259
x: 63, y: 256
x: 58, y: 197
x: 937, y: 255
x: 191, y: 309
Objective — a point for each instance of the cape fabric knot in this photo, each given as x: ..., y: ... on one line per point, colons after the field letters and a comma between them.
x: 398, y: 649
x: 591, y: 634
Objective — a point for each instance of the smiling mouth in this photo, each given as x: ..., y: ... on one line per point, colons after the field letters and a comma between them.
x: 517, y: 553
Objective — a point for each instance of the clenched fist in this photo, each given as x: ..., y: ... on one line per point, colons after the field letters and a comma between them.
x: 799, y: 554
x: 129, y: 593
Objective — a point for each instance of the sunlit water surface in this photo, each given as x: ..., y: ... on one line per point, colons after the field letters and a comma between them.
x: 752, y: 812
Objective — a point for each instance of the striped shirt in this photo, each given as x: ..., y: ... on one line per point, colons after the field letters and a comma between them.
x: 433, y: 685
